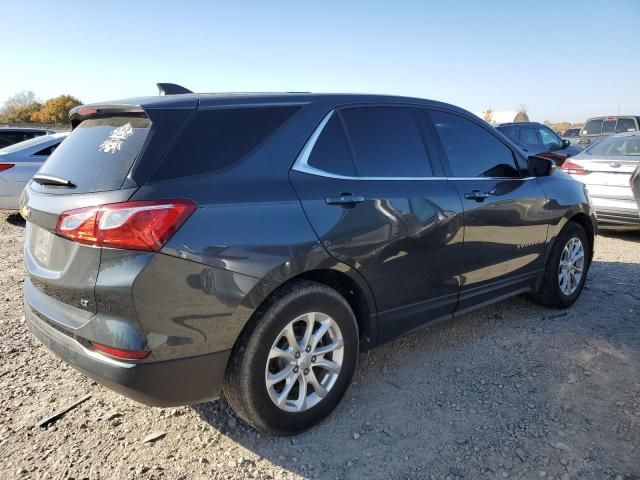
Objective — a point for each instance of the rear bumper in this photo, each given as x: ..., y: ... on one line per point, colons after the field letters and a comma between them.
x: 164, y: 383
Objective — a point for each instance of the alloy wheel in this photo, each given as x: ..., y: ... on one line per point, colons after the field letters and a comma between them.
x: 304, y: 362
x: 571, y: 266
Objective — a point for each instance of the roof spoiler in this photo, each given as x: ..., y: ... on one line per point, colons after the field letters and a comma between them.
x: 171, y: 89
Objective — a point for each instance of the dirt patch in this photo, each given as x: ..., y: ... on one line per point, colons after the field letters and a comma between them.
x: 510, y: 391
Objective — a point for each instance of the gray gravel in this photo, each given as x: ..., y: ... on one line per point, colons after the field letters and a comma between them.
x: 511, y: 391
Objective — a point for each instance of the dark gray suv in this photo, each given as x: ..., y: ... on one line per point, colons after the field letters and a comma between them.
x: 186, y: 245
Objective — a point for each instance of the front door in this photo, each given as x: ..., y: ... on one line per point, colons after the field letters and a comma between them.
x: 505, y: 219
x: 374, y: 200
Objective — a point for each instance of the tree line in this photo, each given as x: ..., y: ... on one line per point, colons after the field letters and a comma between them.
x: 25, y: 107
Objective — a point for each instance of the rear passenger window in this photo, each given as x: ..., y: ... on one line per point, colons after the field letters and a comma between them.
x: 510, y: 132
x: 218, y: 138
x: 331, y: 151
x: 593, y: 127
x: 386, y: 142
x: 625, y: 125
x: 472, y: 151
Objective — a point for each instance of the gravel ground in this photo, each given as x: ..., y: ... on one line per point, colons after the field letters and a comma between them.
x: 510, y: 391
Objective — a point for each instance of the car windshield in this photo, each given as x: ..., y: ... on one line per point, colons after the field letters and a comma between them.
x: 16, y: 147
x: 617, y: 146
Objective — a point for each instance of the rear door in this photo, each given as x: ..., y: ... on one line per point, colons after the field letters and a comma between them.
x: 505, y: 220
x: 378, y: 201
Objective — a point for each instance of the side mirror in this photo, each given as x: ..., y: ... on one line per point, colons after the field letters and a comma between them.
x: 539, y: 166
x: 565, y: 143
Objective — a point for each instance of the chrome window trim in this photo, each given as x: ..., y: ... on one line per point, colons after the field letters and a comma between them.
x: 302, y: 163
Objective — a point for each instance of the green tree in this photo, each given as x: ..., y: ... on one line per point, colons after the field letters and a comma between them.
x: 20, y: 107
x: 56, y: 110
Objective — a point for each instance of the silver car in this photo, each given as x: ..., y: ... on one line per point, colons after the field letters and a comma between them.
x: 606, y: 169
x: 19, y: 162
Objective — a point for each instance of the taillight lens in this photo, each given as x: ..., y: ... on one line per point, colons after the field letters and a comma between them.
x: 6, y: 166
x: 139, y: 225
x: 121, y: 353
x: 573, y: 168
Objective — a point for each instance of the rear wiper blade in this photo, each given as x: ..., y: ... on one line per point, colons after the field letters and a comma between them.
x: 51, y: 180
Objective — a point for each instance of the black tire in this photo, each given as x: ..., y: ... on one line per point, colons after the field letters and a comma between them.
x: 244, y: 386
x: 550, y: 293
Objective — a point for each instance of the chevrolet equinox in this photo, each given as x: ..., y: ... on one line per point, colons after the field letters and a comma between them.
x: 182, y: 246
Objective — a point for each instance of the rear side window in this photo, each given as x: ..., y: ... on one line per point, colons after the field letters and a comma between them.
x: 331, y: 151
x: 386, y: 142
x: 99, y: 153
x: 511, y: 133
x: 626, y: 125
x: 472, y: 151
x: 218, y: 138
x: 593, y: 127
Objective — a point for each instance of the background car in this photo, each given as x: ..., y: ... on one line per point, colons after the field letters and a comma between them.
x: 19, y: 162
x: 571, y: 134
x: 11, y: 135
x: 635, y: 186
x: 538, y: 139
x: 606, y: 169
x: 597, y: 128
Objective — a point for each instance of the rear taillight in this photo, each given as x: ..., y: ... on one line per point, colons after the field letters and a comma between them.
x: 121, y: 353
x: 6, y: 166
x: 138, y: 225
x: 573, y: 168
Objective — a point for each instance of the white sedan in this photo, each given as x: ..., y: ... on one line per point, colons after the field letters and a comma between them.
x: 606, y: 169
x: 19, y: 162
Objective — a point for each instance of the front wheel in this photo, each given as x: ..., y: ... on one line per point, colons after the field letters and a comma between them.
x: 566, y: 269
x: 294, y: 361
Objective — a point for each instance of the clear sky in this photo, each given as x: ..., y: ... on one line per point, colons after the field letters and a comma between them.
x: 567, y: 60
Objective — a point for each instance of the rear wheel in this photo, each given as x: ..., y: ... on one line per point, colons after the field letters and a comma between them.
x: 566, y: 269
x: 294, y: 361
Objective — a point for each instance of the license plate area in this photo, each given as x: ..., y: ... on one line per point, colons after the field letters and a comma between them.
x: 41, y: 245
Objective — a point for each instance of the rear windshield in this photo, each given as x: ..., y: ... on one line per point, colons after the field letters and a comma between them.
x: 219, y: 138
x: 99, y: 153
x: 617, y: 146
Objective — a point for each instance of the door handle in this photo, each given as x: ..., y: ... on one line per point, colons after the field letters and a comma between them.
x: 476, y: 195
x: 346, y: 200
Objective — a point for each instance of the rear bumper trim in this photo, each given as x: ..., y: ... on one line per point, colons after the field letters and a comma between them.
x: 164, y: 383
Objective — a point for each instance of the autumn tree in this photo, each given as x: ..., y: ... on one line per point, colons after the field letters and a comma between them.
x: 56, y: 110
x: 522, y: 116
x: 20, y: 107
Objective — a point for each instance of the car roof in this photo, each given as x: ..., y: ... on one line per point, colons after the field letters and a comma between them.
x: 522, y: 124
x: 612, y: 117
x: 25, y: 130
x: 192, y: 100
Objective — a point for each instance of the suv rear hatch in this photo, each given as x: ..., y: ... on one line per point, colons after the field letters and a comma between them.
x: 103, y: 161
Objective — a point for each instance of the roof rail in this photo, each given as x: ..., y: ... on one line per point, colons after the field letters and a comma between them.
x: 171, y: 89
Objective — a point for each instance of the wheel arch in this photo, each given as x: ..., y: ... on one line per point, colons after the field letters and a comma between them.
x: 342, y: 278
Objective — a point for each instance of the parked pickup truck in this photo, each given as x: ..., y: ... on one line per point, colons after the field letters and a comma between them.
x: 597, y: 128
